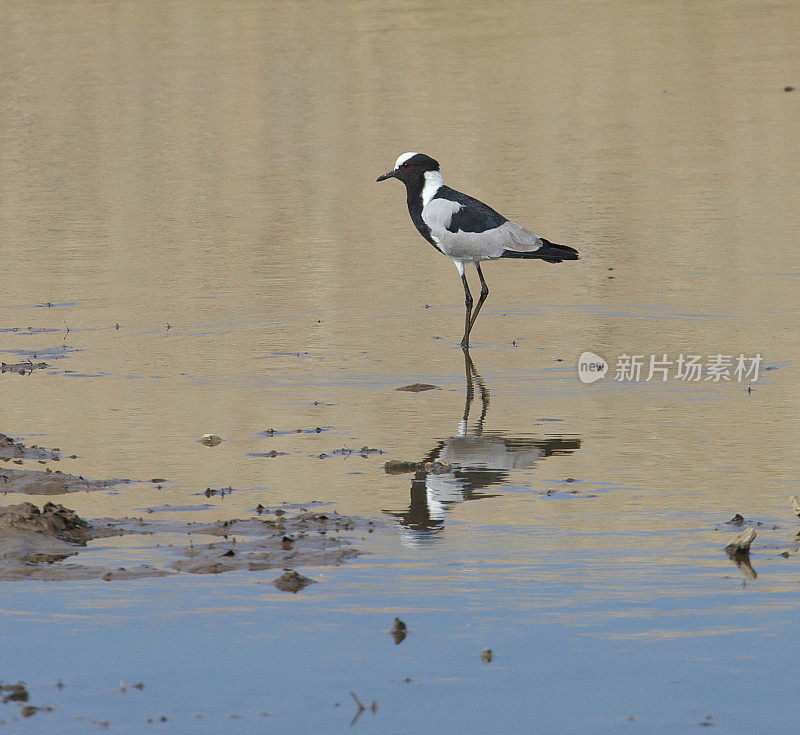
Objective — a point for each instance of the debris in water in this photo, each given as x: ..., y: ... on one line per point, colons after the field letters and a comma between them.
x: 211, y: 440
x: 284, y: 432
x: 372, y: 708
x: 738, y: 550
x: 291, y: 581
x: 418, y: 387
x: 364, y: 452
x: 740, y: 544
x: 222, y: 492
x: 22, y: 368
x: 487, y: 655
x: 14, y: 692
x: 398, y: 631
x: 400, y: 467
x: 30, y: 710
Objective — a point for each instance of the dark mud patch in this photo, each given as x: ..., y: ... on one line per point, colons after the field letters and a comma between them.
x: 31, y: 540
x: 28, y: 330
x: 284, y: 507
x: 35, y: 544
x: 176, y: 508
x: 219, y: 492
x: 22, y: 368
x: 18, y: 694
x: 345, y: 452
x: 292, y: 581
x: 53, y: 520
x: 304, y: 539
x: 49, y: 482
x: 14, y: 692
x: 10, y: 449
x: 52, y: 305
x: 289, y: 432
x: 59, y: 352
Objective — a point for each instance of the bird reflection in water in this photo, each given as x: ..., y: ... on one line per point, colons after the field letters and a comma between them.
x: 463, y: 467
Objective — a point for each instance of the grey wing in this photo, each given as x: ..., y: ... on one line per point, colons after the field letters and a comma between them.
x: 485, y: 245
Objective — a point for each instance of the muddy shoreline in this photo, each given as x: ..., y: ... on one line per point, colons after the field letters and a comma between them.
x: 52, y: 542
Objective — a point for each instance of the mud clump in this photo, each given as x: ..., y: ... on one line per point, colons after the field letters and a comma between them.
x: 291, y: 581
x: 399, y: 631
x: 38, y: 482
x: 14, y: 692
x: 49, y: 482
x: 142, y: 571
x: 256, y: 544
x: 53, y: 520
x: 22, y: 368
x: 35, y: 543
x: 399, y: 467
x: 33, y: 540
x: 10, y: 449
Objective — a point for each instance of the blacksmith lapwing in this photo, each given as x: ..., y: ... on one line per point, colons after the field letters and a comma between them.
x: 465, y: 229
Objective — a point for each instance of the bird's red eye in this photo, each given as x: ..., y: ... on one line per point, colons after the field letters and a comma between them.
x: 406, y: 165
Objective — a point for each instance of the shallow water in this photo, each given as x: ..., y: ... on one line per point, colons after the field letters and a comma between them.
x: 203, y: 177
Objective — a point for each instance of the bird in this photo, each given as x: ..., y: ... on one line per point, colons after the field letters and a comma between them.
x: 464, y: 228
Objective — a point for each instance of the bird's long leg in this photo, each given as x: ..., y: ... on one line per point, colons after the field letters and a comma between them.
x: 484, y: 294
x: 468, y: 304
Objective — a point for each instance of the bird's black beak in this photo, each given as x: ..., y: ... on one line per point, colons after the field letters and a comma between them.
x: 388, y: 175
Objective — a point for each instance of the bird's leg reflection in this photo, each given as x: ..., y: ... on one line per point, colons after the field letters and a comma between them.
x: 461, y: 467
x: 473, y: 376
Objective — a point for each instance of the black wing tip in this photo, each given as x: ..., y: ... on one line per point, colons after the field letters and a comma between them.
x: 550, y: 252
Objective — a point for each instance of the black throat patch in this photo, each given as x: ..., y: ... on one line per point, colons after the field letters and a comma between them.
x: 414, y: 201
